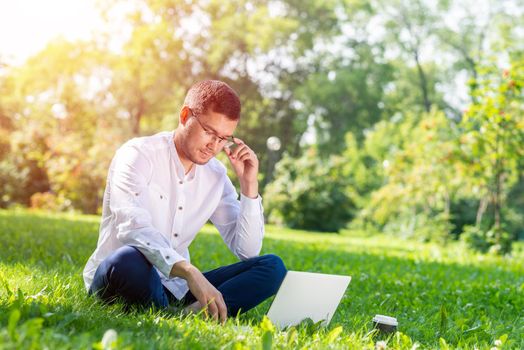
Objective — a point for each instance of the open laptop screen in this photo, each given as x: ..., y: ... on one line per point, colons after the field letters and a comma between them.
x: 305, y: 295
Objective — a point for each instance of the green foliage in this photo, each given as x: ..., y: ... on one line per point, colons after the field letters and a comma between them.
x: 475, y: 239
x: 420, y: 164
x: 439, y: 176
x: 463, y: 212
x: 89, y: 96
x: 43, y: 302
x: 367, y: 84
x: 49, y: 201
x: 410, y: 27
x: 309, y: 193
x: 351, y: 97
x: 22, y: 171
x: 487, y: 241
x: 81, y: 179
x: 422, y: 226
x: 493, y: 139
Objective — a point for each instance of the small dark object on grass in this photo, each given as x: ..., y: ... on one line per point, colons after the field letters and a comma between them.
x: 385, y: 324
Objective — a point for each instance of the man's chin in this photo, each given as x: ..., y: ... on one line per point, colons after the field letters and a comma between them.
x: 201, y: 158
x: 201, y: 162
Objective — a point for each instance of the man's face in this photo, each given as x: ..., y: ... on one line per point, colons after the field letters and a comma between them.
x: 205, y: 135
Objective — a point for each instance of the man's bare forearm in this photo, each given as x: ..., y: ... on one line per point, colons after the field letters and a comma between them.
x: 182, y: 269
x: 249, y: 189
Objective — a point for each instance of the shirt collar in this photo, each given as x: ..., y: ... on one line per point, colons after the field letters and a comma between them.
x: 179, y: 167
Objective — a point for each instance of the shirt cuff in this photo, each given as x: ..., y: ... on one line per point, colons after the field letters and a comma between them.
x: 162, y: 258
x: 250, y: 206
x: 170, y: 258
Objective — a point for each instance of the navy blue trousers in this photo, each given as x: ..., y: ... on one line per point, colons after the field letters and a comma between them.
x: 128, y: 276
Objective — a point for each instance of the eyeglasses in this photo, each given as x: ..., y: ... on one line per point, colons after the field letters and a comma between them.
x: 213, y: 137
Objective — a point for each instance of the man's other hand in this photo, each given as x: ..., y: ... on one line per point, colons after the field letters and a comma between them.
x: 245, y: 164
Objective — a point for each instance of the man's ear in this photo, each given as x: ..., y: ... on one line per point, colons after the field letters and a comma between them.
x: 184, y: 115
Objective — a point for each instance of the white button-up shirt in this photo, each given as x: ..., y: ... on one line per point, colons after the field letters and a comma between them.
x: 151, y: 204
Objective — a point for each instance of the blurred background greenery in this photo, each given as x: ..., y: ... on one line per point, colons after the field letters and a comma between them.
x: 404, y: 117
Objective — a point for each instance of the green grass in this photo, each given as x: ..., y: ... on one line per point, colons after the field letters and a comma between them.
x: 441, y: 296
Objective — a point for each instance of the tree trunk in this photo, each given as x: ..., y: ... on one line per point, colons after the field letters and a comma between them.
x: 497, y: 200
x: 483, y: 205
x: 499, y: 173
x: 136, y: 116
x: 447, y: 204
x: 423, y: 83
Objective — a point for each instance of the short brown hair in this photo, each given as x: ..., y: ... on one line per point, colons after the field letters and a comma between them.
x: 215, y: 96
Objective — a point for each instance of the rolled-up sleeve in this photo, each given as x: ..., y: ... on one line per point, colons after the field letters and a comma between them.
x: 240, y: 222
x: 129, y: 202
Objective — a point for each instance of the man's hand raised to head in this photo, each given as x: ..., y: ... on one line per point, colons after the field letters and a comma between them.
x: 204, y: 292
x: 245, y: 164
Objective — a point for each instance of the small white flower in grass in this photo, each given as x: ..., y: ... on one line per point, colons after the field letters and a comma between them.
x: 498, y: 342
x: 109, y: 339
x: 494, y: 348
x: 381, y: 345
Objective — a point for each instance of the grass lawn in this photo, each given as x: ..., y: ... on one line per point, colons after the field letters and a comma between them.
x: 442, y: 297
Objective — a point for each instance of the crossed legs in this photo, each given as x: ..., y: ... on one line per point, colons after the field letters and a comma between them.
x: 127, y: 275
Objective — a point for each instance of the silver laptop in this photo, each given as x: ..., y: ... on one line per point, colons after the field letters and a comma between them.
x: 305, y: 295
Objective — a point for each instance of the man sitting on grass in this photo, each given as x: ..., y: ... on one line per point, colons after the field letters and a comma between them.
x: 160, y: 191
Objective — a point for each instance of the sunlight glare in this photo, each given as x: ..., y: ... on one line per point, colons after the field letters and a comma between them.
x: 26, y: 26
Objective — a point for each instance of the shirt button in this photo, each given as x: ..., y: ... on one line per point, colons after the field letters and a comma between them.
x: 181, y: 182
x: 136, y: 193
x: 167, y: 256
x: 161, y: 197
x: 180, y: 208
x: 148, y: 243
x: 175, y: 234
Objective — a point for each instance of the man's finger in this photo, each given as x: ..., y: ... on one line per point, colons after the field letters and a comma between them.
x: 203, y: 302
x: 238, y: 141
x: 230, y: 152
x: 213, y: 308
x: 222, y: 308
x: 244, y: 157
x: 237, y: 150
x: 242, y: 153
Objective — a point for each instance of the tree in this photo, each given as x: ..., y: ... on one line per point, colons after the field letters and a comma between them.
x: 473, y: 37
x: 410, y: 26
x: 345, y: 95
x: 494, y: 137
x: 422, y: 175
x: 310, y: 193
